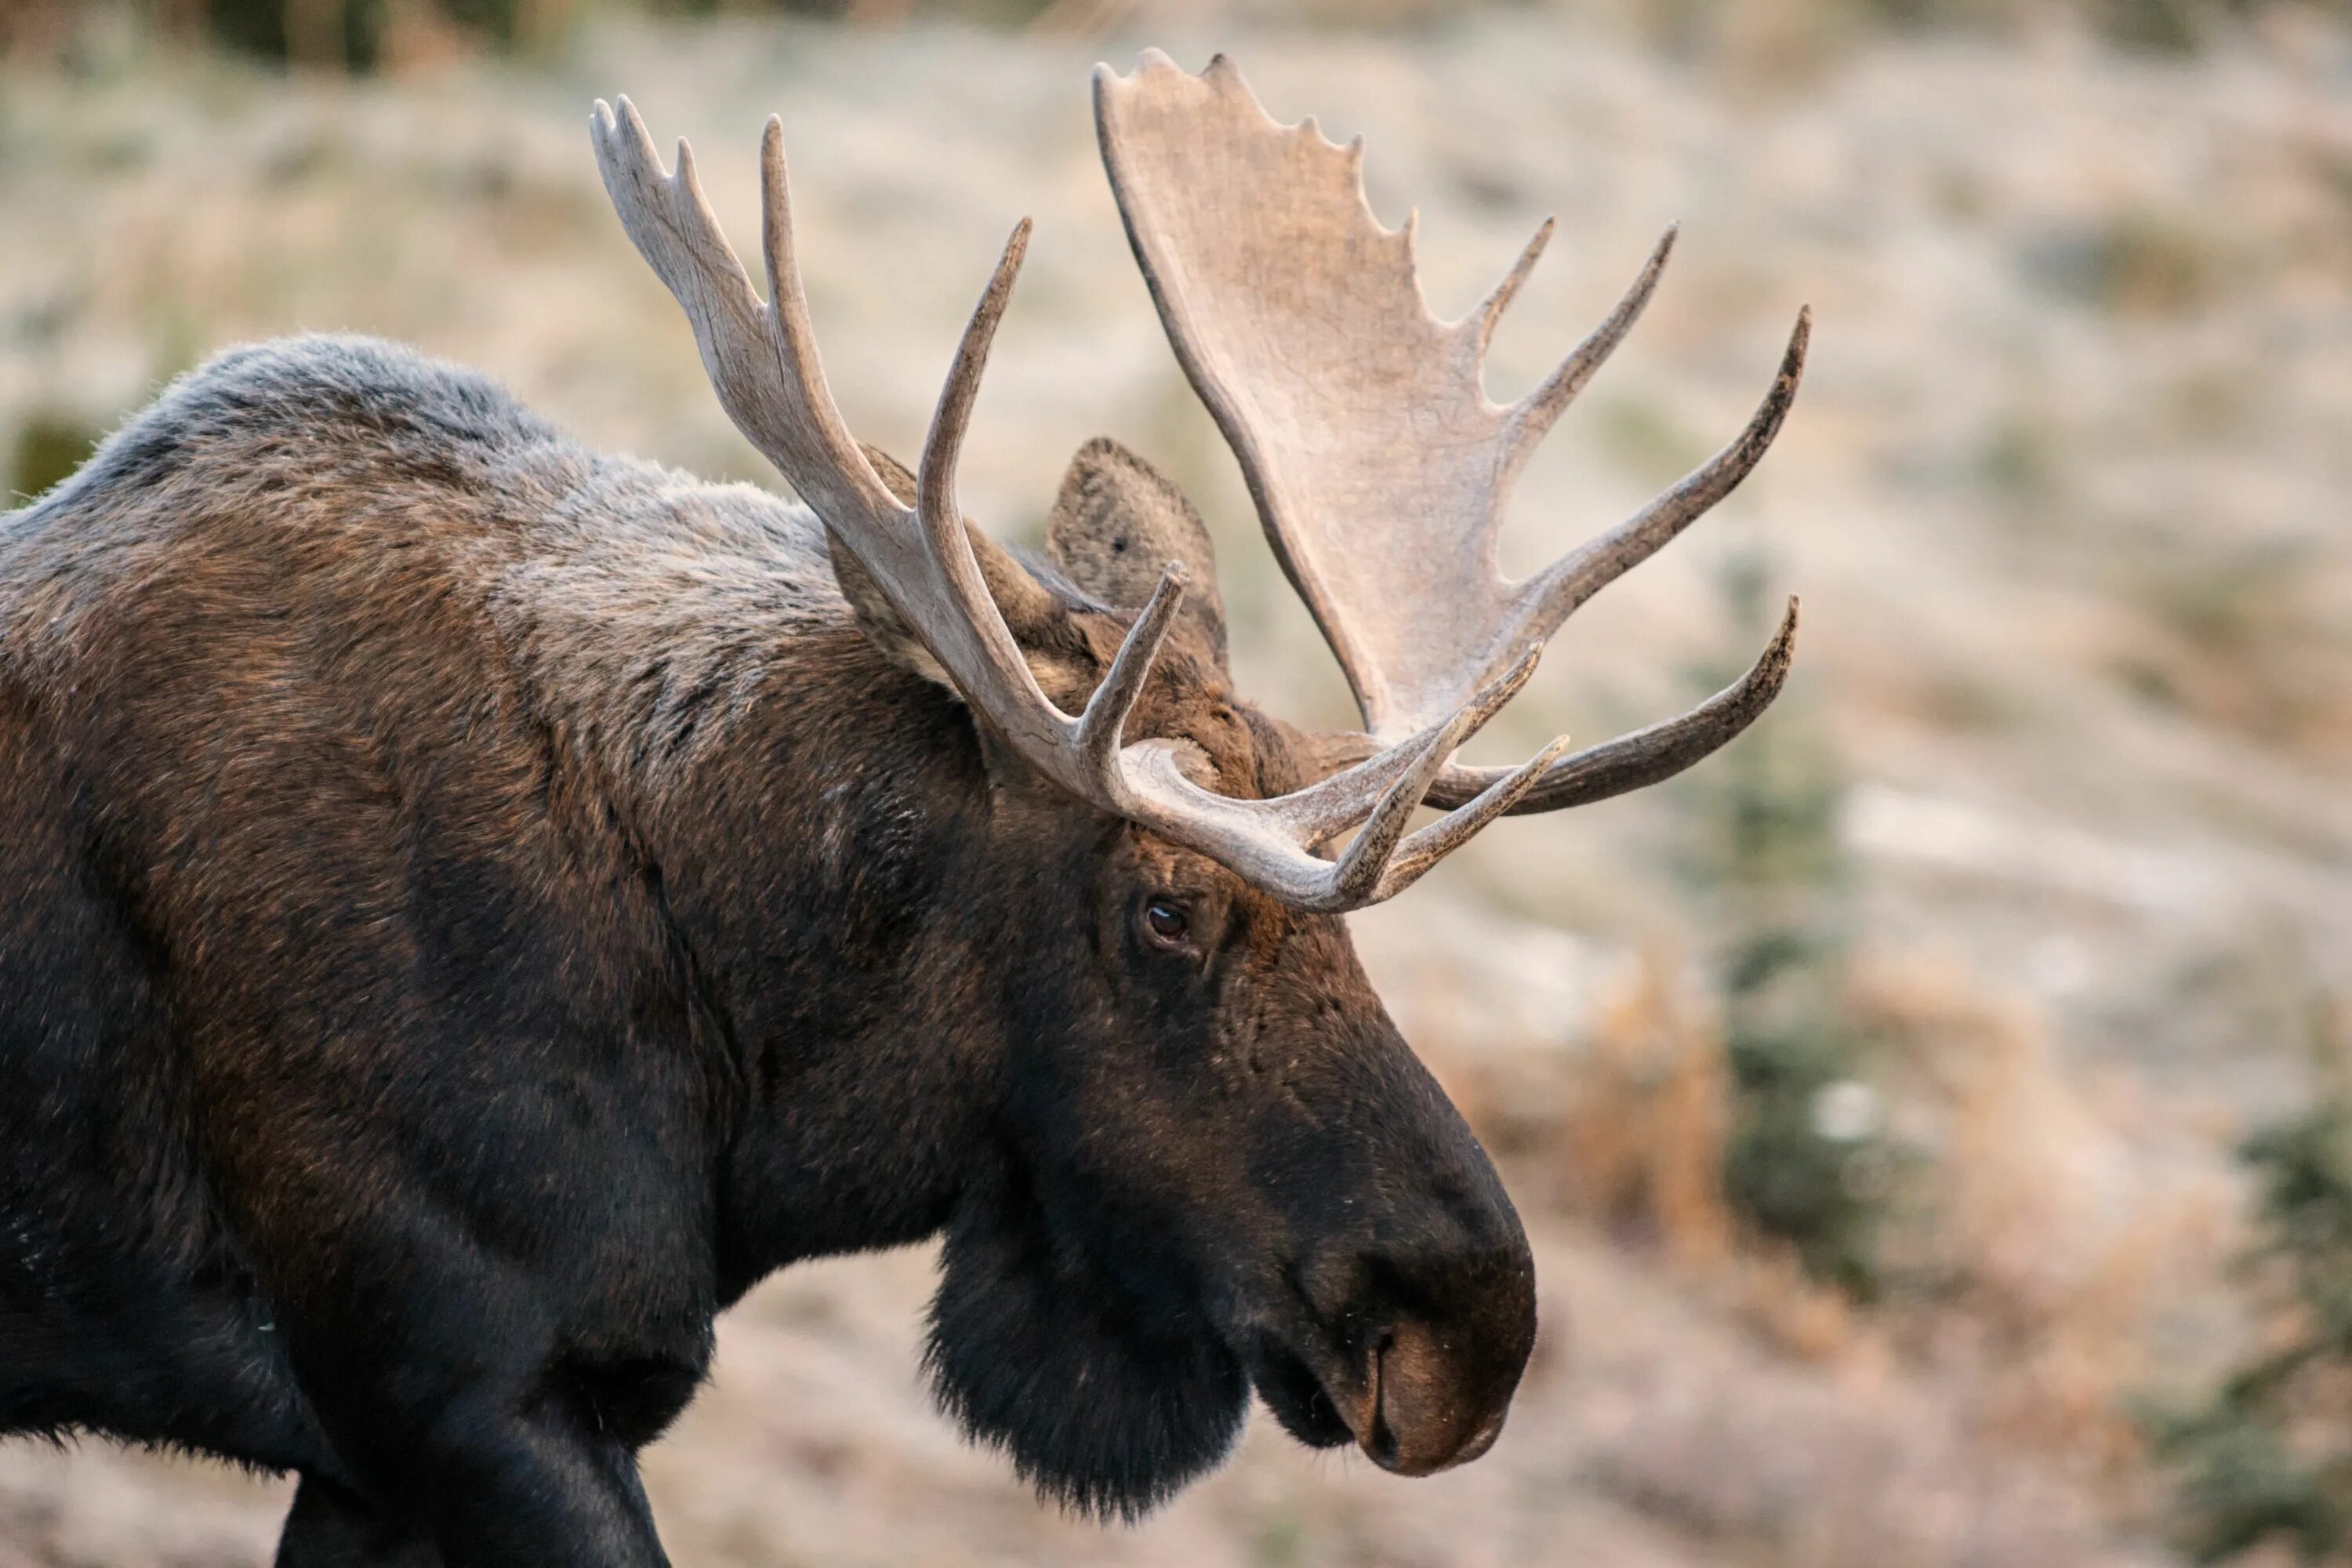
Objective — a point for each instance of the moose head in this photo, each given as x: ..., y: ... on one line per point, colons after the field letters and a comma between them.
x: 1214, y: 1164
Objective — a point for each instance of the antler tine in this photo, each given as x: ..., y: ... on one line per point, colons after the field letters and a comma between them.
x: 1535, y: 414
x: 1397, y: 801
x: 1270, y: 842
x: 791, y: 417
x: 1383, y: 862
x: 1102, y: 725
x: 945, y: 536
x: 1327, y: 809
x: 1587, y: 569
x: 838, y: 452
x: 935, y: 476
x: 644, y: 193
x: 786, y: 295
x: 1649, y: 755
x: 1489, y: 310
x: 1449, y: 833
x: 1356, y: 880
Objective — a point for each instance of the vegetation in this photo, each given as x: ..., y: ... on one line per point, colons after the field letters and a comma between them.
x: 2268, y: 1456
x: 1805, y: 1158
x: 48, y: 446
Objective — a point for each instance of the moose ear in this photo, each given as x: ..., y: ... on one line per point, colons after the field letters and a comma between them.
x: 1035, y: 618
x: 1117, y: 522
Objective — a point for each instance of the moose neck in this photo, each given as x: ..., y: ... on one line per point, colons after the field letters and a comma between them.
x: 820, y: 867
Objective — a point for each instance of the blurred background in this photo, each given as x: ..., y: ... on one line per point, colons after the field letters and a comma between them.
x: 1934, y: 1115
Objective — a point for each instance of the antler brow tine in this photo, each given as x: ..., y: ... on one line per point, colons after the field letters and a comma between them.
x: 1102, y: 725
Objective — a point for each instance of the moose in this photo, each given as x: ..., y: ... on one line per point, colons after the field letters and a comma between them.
x: 470, y: 906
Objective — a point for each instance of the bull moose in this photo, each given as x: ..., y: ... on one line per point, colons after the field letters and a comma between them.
x: 470, y: 906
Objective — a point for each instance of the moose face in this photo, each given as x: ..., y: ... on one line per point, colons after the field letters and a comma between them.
x: 1221, y: 1165
x: 1232, y: 1174
x: 1227, y: 1170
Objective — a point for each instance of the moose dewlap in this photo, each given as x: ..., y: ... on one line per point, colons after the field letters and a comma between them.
x: 472, y: 906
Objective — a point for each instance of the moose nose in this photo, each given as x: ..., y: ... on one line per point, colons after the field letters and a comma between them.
x: 1431, y: 1410
x: 1429, y: 1389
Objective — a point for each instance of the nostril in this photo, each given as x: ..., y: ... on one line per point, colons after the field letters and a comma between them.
x: 1382, y: 1448
x: 1381, y: 1442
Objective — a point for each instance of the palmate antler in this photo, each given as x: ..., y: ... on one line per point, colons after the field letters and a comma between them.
x: 763, y: 360
x: 1380, y: 469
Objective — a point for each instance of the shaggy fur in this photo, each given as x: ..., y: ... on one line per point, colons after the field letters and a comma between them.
x: 470, y: 906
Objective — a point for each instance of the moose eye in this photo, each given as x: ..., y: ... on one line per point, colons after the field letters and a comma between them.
x: 1166, y: 922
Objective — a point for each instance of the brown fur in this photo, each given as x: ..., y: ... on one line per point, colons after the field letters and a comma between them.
x: 470, y: 906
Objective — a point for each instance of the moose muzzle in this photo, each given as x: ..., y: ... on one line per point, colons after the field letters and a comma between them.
x: 1437, y: 1339
x: 1430, y: 1408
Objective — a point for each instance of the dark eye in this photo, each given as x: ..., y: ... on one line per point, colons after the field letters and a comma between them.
x: 1166, y: 922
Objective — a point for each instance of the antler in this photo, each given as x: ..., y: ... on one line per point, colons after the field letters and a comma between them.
x: 763, y: 360
x: 1380, y: 469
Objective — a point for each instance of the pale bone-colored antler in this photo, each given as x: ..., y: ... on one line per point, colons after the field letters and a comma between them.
x: 1378, y: 467
x: 763, y: 360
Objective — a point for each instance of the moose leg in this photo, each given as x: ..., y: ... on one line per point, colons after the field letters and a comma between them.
x: 329, y: 1528
x: 482, y: 1484
x: 481, y: 1315
x: 542, y: 1495
x: 455, y: 1418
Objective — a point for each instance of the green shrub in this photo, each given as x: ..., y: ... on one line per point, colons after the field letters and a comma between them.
x: 352, y: 33
x: 2267, y: 1457
x: 351, y: 30
x: 48, y: 448
x: 1806, y: 1161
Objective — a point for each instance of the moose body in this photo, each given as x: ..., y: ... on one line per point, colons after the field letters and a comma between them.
x: 476, y: 907
x: 429, y: 848
x: 470, y: 906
